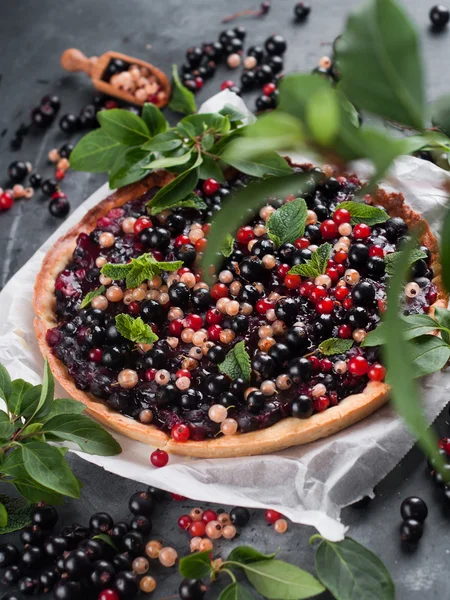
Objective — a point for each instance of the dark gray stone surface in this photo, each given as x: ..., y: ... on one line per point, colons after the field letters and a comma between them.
x: 33, y: 35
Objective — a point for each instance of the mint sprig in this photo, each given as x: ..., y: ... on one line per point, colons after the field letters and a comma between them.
x: 364, y: 213
x: 139, y: 269
x: 91, y: 295
x: 135, y: 330
x: 391, y: 260
x: 335, y: 346
x: 237, y: 363
x: 287, y: 223
x: 316, y: 265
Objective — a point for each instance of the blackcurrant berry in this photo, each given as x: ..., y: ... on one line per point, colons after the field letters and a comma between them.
x: 216, y: 354
x: 35, y: 180
x: 122, y: 562
x: 297, y: 339
x: 151, y: 311
x: 126, y: 584
x: 414, y: 508
x: 159, y: 238
x: 376, y: 267
x: 439, y: 16
x: 32, y: 557
x: 28, y: 586
x: 55, y: 546
x: 67, y: 590
x: 301, y: 11
x: 299, y: 369
x: 264, y: 365
x: 53, y: 100
x: 201, y: 298
x: 276, y: 64
x: 12, y: 575
x: 66, y: 150
x: 141, y: 524
x: 42, y: 116
x: 363, y: 294
x: 45, y: 516
x: 94, y: 549
x: 32, y: 534
x: 101, y: 522
x: 240, y: 324
x: 411, y: 530
x: 275, y: 45
x: 49, y: 187
x: 257, y: 52
x: 133, y: 542
x: 192, y: 589
x: 186, y: 253
x: 256, y: 401
x: 302, y: 407
x: 179, y: 294
x: 286, y: 310
x: 102, y: 575
x: 77, y: 564
x: 194, y: 57
x: 17, y: 171
x: 395, y: 228
x: 69, y: 123
x: 239, y: 516
x: 119, y: 530
x: 48, y: 579
x: 116, y: 65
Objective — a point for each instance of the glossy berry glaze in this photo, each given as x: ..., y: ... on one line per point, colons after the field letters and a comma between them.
x: 281, y: 318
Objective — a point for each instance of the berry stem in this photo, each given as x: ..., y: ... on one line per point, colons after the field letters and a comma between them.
x: 249, y: 12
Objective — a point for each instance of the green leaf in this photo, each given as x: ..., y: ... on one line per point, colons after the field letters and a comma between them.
x: 414, y: 325
x: 170, y: 161
x: 352, y: 572
x: 199, y: 124
x: 440, y: 115
x: 364, y: 213
x: 3, y: 516
x: 233, y: 114
x: 30, y: 401
x: 182, y: 100
x: 228, y: 247
x: 391, y: 260
x: 124, y: 126
x: 253, y: 197
x: 47, y: 393
x: 210, y: 169
x: 196, y: 566
x: 18, y: 514
x: 5, y: 384
x: 46, y: 465
x: 139, y: 269
x: 154, y: 119
x: 96, y: 152
x: 163, y: 142
x: 278, y: 580
x: 445, y: 251
x: 128, y: 167
x: 235, y: 591
x: 65, y: 406
x: 269, y: 163
x: 18, y: 390
x: 288, y: 222
x: 380, y: 63
x: 107, y: 539
x: 135, y: 329
x: 247, y: 555
x: 323, y: 116
x: 237, y: 363
x: 207, y: 142
x: 191, y: 201
x: 442, y: 316
x: 6, y: 427
x: 398, y: 357
x: 428, y: 354
x: 174, y: 191
x: 91, y: 295
x: 117, y: 272
x: 89, y: 435
x: 274, y: 131
x: 334, y: 346
x: 316, y: 265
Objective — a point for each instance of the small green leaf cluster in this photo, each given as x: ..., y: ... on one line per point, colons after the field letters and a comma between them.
x: 139, y: 269
x: 347, y: 569
x: 237, y: 363
x: 37, y: 469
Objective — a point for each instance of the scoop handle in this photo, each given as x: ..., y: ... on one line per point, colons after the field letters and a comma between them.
x: 73, y: 60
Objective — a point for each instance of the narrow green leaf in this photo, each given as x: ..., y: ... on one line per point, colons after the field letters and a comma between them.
x: 334, y: 346
x: 135, y: 330
x: 96, y: 152
x: 364, y: 213
x: 3, y: 516
x: 174, y: 191
x: 352, y: 572
x: 154, y: 119
x: 235, y: 591
x: 30, y: 401
x: 269, y: 163
x: 380, y: 63
x: 45, y: 465
x: 18, y: 513
x: 196, y: 566
x: 91, y: 295
x: 107, y: 539
x: 415, y: 325
x: 397, y: 352
x: 5, y: 384
x: 275, y: 579
x: 247, y: 555
x: 128, y: 167
x: 233, y: 114
x: 440, y: 114
x: 207, y: 141
x: 35, y: 493
x: 163, y: 142
x: 182, y: 100
x: 191, y: 201
x: 237, y: 363
x: 323, y: 116
x: 124, y: 127
x: 89, y: 435
x: 47, y: 393
x: 6, y: 427
x: 288, y: 222
x: 445, y: 251
x: 210, y: 169
x: 170, y: 161
x: 392, y: 259
x: 65, y: 406
x: 428, y: 354
x: 18, y: 390
x: 316, y: 265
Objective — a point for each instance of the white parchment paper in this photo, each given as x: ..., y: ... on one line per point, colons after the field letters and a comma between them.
x: 309, y: 484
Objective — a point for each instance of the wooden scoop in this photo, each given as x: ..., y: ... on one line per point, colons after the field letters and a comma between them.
x: 74, y: 60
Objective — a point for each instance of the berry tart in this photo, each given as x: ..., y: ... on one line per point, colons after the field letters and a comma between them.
x: 267, y: 357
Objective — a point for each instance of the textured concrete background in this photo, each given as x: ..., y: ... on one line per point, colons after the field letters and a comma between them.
x: 32, y: 37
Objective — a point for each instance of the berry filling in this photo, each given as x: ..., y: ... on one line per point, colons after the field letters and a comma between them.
x: 282, y: 317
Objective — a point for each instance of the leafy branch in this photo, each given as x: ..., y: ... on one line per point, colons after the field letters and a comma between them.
x: 37, y: 469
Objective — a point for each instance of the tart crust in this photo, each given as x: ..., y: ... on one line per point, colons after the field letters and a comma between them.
x: 284, y: 434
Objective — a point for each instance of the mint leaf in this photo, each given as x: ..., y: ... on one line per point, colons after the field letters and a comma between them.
x: 391, y: 260
x: 182, y: 100
x: 91, y: 295
x: 139, y: 269
x: 116, y: 271
x: 288, y: 222
x: 18, y: 514
x: 135, y: 330
x: 228, y: 247
x: 317, y: 265
x: 96, y: 152
x: 124, y: 126
x: 173, y: 192
x: 237, y: 363
x: 364, y: 213
x: 154, y: 119
x: 334, y: 346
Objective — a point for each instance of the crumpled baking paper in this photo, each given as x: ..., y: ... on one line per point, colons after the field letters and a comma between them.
x: 308, y: 484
